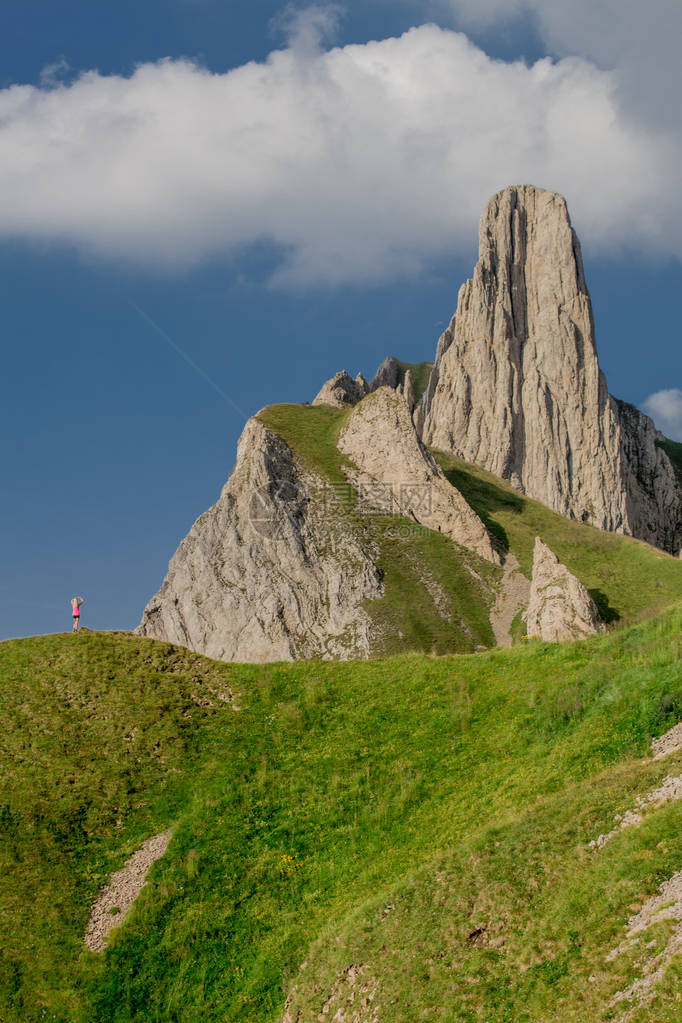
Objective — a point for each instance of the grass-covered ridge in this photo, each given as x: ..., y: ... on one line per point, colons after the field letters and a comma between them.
x: 426, y: 819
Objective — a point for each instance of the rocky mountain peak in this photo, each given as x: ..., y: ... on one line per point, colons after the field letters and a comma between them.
x: 342, y: 390
x: 518, y: 390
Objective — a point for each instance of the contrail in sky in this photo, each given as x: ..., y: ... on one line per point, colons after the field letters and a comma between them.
x: 187, y: 359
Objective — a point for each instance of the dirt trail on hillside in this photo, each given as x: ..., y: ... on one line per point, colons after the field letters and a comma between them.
x: 117, y: 897
x: 512, y: 596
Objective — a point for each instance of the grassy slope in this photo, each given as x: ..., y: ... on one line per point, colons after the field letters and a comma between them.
x: 627, y: 578
x: 461, y: 791
x: 411, y: 558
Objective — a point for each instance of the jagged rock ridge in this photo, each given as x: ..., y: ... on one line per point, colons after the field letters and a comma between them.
x: 342, y: 390
x: 517, y: 388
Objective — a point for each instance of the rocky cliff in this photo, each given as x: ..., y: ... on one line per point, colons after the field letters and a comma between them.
x: 342, y: 390
x: 267, y: 573
x: 517, y: 387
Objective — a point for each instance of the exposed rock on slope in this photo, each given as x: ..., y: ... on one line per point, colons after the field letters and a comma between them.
x: 559, y: 607
x: 119, y: 894
x: 265, y: 574
x: 342, y: 391
x: 517, y: 387
x: 380, y: 438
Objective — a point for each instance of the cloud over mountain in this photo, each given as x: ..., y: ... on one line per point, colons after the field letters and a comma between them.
x: 665, y: 408
x: 359, y: 163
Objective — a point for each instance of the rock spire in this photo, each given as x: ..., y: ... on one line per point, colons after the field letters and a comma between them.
x: 518, y: 390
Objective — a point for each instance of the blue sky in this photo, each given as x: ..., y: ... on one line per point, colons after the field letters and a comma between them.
x: 285, y: 192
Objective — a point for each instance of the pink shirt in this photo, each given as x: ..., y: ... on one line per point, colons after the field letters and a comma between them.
x: 76, y: 611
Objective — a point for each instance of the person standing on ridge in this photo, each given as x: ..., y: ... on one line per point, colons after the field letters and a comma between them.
x: 76, y: 611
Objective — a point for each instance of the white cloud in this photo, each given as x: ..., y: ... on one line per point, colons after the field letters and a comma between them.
x: 306, y: 28
x: 665, y: 408
x: 639, y: 40
x: 360, y: 163
x: 53, y: 74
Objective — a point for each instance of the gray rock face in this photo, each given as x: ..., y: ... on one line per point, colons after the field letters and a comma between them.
x: 423, y: 406
x: 397, y: 376
x: 380, y: 438
x: 389, y: 374
x: 266, y: 574
x: 342, y: 391
x: 559, y: 606
x: 517, y: 388
x: 653, y: 497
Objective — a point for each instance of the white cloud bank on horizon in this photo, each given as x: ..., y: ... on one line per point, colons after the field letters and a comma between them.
x: 665, y: 408
x: 361, y: 162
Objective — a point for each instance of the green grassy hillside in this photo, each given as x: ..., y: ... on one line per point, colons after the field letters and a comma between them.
x: 412, y: 830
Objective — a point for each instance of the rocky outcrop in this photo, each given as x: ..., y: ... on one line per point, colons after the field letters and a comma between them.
x: 380, y: 439
x: 407, y: 390
x: 273, y: 572
x: 389, y: 374
x: 517, y: 388
x: 559, y: 606
x: 400, y: 377
x: 267, y: 573
x: 342, y: 391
